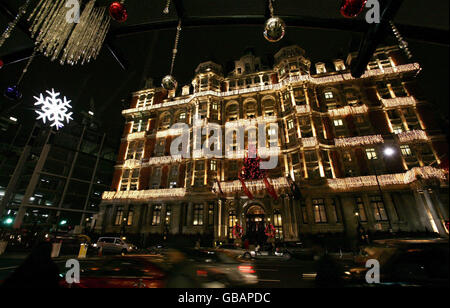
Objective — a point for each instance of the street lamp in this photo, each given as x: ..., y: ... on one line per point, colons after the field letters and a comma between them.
x: 388, y: 152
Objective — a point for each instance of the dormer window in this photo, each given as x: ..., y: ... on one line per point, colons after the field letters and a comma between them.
x: 320, y: 68
x: 339, y: 65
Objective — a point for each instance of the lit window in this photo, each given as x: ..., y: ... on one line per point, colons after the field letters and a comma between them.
x: 329, y: 95
x: 272, y: 132
x: 168, y: 215
x: 320, y: 215
x: 398, y: 129
x: 232, y: 221
x: 156, y: 217
x: 371, y: 154
x: 215, y: 106
x: 183, y: 116
x: 378, y: 209
x: 130, y: 217
x: 211, y: 214
x: 213, y: 165
x: 278, y: 224
x: 119, y: 216
x: 406, y: 150
x: 338, y: 123
x: 361, y: 211
x: 198, y: 215
x: 290, y: 124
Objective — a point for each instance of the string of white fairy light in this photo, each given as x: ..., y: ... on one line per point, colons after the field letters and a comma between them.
x: 144, y: 194
x: 399, y: 101
x: 358, y: 141
x: 256, y: 185
x: 387, y: 179
x: 411, y: 136
x: 277, y: 86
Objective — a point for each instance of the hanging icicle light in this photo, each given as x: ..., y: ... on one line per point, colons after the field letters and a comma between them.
x: 88, y: 36
x: 274, y: 28
x: 71, y: 42
x: 12, y: 25
x: 401, y: 42
x: 168, y: 82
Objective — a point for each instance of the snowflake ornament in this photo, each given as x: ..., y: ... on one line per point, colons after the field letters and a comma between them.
x: 53, y: 109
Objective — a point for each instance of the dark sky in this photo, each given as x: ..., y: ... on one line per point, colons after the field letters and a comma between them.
x: 148, y: 54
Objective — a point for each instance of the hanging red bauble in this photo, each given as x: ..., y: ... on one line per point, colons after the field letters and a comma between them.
x: 1, y: 63
x: 118, y: 12
x: 352, y: 8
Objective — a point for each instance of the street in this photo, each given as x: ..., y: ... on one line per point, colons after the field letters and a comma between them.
x: 271, y: 273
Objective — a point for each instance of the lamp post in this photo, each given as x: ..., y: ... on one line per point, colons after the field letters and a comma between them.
x: 388, y: 152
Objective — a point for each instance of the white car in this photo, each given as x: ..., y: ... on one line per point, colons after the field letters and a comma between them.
x: 114, y: 244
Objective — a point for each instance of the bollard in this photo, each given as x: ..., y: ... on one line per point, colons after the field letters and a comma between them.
x: 3, y: 245
x: 83, y: 251
x: 56, y: 248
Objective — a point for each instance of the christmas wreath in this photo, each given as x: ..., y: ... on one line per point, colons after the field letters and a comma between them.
x: 237, y: 231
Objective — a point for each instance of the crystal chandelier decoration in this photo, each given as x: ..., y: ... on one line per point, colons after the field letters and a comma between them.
x: 169, y: 82
x: 274, y: 28
x: 12, y: 25
x: 167, y: 8
x: 401, y: 41
x: 70, y: 42
x: 88, y: 36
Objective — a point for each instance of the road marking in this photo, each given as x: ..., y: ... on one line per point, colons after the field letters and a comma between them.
x: 7, y: 268
x: 269, y: 280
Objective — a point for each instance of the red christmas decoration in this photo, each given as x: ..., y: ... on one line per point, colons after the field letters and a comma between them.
x: 352, y: 8
x: 1, y: 63
x: 238, y: 231
x: 270, y: 231
x: 252, y: 171
x: 118, y: 12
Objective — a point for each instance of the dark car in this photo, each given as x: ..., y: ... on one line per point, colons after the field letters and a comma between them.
x: 120, y: 272
x: 407, y: 263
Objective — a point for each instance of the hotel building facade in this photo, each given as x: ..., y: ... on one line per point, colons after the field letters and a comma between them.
x: 334, y: 132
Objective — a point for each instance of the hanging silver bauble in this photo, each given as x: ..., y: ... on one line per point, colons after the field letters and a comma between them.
x: 169, y: 83
x: 274, y: 29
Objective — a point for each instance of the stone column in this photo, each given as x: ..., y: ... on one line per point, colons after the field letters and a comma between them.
x: 349, y: 219
x: 437, y: 219
x: 390, y: 208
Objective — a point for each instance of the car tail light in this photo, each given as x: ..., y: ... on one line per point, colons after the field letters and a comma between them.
x: 248, y: 269
x: 202, y: 273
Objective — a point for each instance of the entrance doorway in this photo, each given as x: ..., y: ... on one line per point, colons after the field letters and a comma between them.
x: 256, y: 224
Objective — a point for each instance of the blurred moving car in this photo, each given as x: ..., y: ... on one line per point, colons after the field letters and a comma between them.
x: 293, y: 249
x: 120, y: 272
x: 234, y: 251
x: 406, y: 263
x: 114, y: 245
x: 217, y: 269
x: 159, y: 249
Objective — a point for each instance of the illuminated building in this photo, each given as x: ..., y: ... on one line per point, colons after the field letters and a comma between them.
x: 339, y: 137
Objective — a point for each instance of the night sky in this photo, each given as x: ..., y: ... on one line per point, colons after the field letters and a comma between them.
x: 148, y: 54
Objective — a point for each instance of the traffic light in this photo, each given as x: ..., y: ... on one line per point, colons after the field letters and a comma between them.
x: 63, y: 222
x: 8, y: 221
